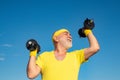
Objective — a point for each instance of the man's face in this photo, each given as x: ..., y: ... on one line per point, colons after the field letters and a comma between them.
x: 65, y: 40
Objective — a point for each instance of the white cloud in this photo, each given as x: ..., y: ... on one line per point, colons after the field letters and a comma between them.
x: 7, y: 45
x: 2, y: 58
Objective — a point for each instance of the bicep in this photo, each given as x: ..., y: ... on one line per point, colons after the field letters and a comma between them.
x: 36, y: 72
x: 88, y: 52
x: 38, y: 69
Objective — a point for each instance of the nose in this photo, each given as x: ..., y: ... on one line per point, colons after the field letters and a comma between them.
x: 69, y: 35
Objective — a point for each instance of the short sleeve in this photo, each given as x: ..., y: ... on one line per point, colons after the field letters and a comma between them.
x: 80, y: 56
x: 39, y: 61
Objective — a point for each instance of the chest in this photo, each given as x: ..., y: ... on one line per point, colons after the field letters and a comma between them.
x: 68, y: 64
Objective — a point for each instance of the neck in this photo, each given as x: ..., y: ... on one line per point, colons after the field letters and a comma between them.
x: 60, y: 51
x: 60, y: 54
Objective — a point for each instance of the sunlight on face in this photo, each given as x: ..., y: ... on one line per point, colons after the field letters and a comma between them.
x: 66, y: 40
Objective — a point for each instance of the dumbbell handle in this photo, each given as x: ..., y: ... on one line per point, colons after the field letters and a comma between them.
x: 32, y: 45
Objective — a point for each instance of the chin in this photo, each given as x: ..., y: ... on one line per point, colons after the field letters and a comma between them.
x: 68, y: 47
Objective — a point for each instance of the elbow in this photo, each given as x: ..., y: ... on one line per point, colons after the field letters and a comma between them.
x: 96, y: 49
x: 91, y: 51
x: 30, y: 76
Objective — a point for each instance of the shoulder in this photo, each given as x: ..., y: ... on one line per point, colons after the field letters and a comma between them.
x: 45, y: 53
x: 81, y: 51
x: 79, y: 55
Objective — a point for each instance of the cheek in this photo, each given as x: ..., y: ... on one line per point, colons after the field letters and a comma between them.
x: 62, y: 40
x: 65, y: 42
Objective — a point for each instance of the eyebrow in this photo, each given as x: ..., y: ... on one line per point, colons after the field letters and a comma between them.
x: 67, y: 33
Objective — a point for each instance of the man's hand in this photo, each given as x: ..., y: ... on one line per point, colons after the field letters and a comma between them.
x: 86, y: 29
x: 33, y: 47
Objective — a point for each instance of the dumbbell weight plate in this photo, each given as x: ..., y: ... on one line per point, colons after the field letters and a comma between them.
x: 89, y: 24
x: 31, y: 44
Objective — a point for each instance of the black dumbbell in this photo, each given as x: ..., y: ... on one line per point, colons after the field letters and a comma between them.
x: 32, y: 45
x: 88, y: 24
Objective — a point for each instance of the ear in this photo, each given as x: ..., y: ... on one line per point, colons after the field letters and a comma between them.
x: 55, y: 38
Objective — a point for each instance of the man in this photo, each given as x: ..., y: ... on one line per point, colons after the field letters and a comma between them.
x: 60, y: 64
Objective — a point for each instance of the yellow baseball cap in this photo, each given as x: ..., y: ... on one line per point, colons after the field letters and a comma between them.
x: 58, y: 32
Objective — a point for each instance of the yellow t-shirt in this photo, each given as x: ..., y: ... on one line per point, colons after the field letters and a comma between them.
x: 66, y: 69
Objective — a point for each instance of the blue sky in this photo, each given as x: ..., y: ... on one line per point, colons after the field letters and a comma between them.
x: 21, y: 20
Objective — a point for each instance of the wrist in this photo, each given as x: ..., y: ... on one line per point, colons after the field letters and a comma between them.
x: 33, y: 53
x: 87, y: 31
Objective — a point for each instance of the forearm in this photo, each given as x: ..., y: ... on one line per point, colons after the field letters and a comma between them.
x: 93, y: 46
x: 93, y: 43
x: 32, y: 69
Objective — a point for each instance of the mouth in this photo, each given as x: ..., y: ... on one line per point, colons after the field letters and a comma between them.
x: 69, y: 39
